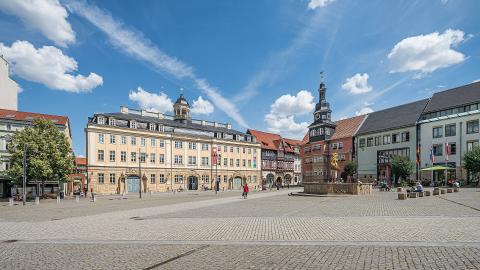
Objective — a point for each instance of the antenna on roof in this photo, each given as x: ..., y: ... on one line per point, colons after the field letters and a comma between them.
x: 321, y: 76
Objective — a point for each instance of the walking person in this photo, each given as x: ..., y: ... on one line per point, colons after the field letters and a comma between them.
x: 245, y: 191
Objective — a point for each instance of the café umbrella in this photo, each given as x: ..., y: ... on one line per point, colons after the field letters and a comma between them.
x: 437, y: 168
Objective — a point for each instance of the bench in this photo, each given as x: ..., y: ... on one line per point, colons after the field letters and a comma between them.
x: 450, y: 190
x: 443, y: 191
x: 413, y: 195
x: 421, y: 194
x: 402, y: 196
x: 436, y: 192
x: 428, y: 193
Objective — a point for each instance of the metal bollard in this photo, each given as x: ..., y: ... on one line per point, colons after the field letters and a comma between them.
x: 77, y: 198
x: 10, y: 201
x: 37, y: 200
x: 58, y: 199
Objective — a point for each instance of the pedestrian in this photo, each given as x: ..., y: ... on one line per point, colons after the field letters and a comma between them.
x: 245, y: 191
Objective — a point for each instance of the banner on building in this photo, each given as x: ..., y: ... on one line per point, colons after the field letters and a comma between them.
x: 214, y: 155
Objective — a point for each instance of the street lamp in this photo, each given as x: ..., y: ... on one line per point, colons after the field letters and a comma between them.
x: 217, y: 181
x: 140, y: 171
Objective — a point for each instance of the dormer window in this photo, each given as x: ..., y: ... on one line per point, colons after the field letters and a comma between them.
x: 133, y: 124
x: 152, y: 127
x: 111, y: 122
x: 101, y: 120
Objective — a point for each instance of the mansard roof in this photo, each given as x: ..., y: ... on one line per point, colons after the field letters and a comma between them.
x: 463, y: 95
x: 172, y: 123
x: 396, y: 117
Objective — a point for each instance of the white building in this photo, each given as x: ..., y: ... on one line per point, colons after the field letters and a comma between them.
x: 451, y: 117
x: 8, y: 88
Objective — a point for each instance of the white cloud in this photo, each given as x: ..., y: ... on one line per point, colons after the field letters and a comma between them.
x: 47, y: 16
x: 357, y: 84
x: 134, y: 44
x: 364, y: 110
x: 313, y: 4
x: 300, y: 104
x: 49, y: 66
x: 427, y: 53
x: 286, y: 126
x: 201, y: 106
x: 281, y: 118
x: 151, y: 101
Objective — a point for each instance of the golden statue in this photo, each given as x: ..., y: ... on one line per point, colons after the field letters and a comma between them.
x: 334, y: 161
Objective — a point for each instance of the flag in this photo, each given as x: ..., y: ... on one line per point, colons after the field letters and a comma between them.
x: 447, y: 151
x: 418, y: 154
x: 432, y: 157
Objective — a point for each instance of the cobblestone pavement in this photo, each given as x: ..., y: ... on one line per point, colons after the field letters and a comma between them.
x: 270, y: 230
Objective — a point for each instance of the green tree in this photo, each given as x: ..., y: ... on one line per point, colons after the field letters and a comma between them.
x: 49, y: 155
x: 402, y: 167
x: 471, y: 160
x: 350, y: 168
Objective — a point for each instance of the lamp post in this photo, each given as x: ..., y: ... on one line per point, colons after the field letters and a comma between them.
x: 217, y: 181
x: 140, y: 171
x: 24, y: 174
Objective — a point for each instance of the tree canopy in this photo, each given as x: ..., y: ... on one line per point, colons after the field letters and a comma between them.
x: 402, y: 166
x: 471, y: 160
x: 350, y: 168
x: 49, y: 154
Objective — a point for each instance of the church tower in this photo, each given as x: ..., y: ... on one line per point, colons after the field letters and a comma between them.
x: 322, y: 127
x: 181, y: 108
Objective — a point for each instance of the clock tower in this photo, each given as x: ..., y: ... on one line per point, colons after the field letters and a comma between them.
x: 322, y: 127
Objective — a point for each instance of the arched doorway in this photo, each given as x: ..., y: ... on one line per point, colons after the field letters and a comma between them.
x: 192, y: 183
x: 279, y: 181
x: 133, y: 183
x: 237, y: 182
x: 269, y: 180
x: 288, y: 179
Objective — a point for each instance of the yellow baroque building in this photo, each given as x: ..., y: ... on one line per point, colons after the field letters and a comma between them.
x: 167, y: 153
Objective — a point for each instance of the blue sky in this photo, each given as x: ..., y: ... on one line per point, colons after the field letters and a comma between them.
x: 254, y: 64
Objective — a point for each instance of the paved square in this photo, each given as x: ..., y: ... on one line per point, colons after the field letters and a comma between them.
x: 269, y: 230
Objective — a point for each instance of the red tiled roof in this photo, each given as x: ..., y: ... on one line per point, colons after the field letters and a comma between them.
x: 345, y: 128
x: 80, y: 161
x: 293, y: 142
x: 266, y: 139
x: 29, y: 116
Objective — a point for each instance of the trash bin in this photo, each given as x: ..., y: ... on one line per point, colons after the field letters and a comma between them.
x: 62, y: 195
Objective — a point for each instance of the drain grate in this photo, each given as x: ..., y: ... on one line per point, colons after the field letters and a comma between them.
x: 10, y: 241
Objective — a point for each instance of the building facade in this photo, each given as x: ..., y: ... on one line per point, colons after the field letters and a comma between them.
x: 449, y: 127
x: 328, y: 145
x: 384, y: 135
x: 8, y: 88
x: 11, y: 121
x: 167, y: 153
x: 279, y: 156
x: 325, y: 160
